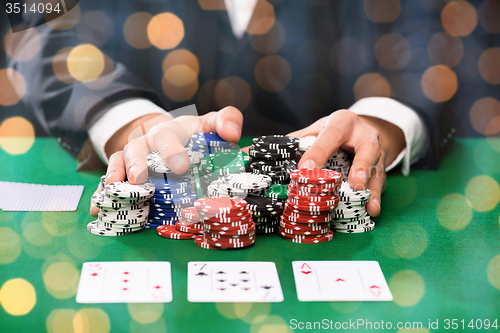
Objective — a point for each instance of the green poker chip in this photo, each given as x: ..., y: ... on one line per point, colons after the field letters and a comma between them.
x: 224, y: 162
x: 277, y: 191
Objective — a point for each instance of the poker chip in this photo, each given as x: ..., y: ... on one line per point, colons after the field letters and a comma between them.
x: 277, y: 140
x: 307, y: 219
x: 209, y: 139
x: 190, y: 213
x: 303, y: 226
x: 314, y: 198
x: 278, y: 155
x: 201, y: 243
x: 277, y: 191
x: 126, y: 190
x: 355, y: 225
x: 242, y: 228
x: 156, y: 163
x: 293, y: 232
x: 170, y: 182
x: 245, y: 180
x: 94, y: 228
x: 219, y: 205
x: 315, y: 240
x: 366, y: 228
x: 177, y: 200
x: 169, y: 231
x: 241, y: 219
x: 122, y: 227
x: 315, y: 176
x: 312, y: 207
x: 266, y: 230
x: 306, y: 142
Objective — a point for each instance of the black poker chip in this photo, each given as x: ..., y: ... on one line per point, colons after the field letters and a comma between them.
x: 270, y: 156
x: 277, y: 140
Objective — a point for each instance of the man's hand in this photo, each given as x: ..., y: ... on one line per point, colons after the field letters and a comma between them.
x: 374, y: 142
x: 129, y: 147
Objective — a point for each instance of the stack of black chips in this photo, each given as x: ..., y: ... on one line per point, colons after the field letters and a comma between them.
x: 265, y: 212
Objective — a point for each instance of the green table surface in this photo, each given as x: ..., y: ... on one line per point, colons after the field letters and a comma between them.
x: 437, y: 241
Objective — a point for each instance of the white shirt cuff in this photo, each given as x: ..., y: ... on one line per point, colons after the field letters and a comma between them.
x: 402, y: 116
x: 113, y: 118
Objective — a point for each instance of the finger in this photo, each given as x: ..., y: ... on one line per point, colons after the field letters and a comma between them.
x: 246, y: 149
x: 312, y: 129
x: 337, y: 130
x: 116, y: 168
x: 94, y: 211
x: 227, y: 123
x: 134, y: 156
x: 376, y: 185
x: 168, y: 140
x: 367, y: 155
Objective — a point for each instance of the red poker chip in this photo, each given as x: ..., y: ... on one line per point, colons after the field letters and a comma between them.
x: 312, y: 207
x: 214, y: 238
x: 335, y: 186
x: 223, y: 215
x: 311, y: 189
x: 316, y: 176
x: 228, y: 226
x: 293, y: 211
x: 236, y: 244
x: 293, y: 232
x: 242, y: 219
x: 312, y: 203
x: 169, y: 231
x: 192, y: 228
x: 322, y: 239
x: 219, y: 205
x: 190, y: 213
x: 313, y: 198
x: 229, y: 237
x: 198, y: 240
x: 303, y: 226
x: 306, y: 219
x: 232, y: 232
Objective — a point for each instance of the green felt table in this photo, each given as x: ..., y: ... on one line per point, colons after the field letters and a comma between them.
x: 437, y: 241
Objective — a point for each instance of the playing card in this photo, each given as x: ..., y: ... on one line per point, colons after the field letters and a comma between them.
x: 233, y: 281
x: 318, y: 281
x: 125, y: 282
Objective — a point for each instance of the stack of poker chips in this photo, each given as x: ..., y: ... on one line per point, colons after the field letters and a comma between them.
x: 269, y: 153
x: 350, y: 214
x: 123, y: 208
x: 339, y: 161
x: 227, y: 223
x: 209, y: 143
x: 171, y: 195
x: 239, y: 185
x: 265, y: 213
x: 188, y: 227
x: 156, y: 164
x: 311, y: 204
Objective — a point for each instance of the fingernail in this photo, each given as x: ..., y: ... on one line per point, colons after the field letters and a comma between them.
x: 309, y: 164
x: 136, y: 174
x: 233, y: 128
x: 377, y: 202
x: 110, y: 173
x: 177, y: 161
x: 364, y: 178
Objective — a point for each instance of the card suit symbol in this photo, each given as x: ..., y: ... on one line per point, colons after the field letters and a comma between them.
x: 246, y: 289
x: 244, y: 272
x: 266, y: 287
x: 340, y: 280
x: 221, y: 280
x: 94, y: 274
x: 221, y: 272
x: 233, y: 284
x: 126, y: 273
x: 157, y: 287
x: 245, y: 280
x: 222, y: 289
x: 201, y: 274
x: 375, y: 290
x: 125, y: 288
x: 125, y: 280
x: 305, y: 269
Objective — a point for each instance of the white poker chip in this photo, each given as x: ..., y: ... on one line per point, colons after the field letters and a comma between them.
x: 95, y: 228
x: 126, y: 190
x: 366, y: 228
x: 306, y: 142
x: 156, y: 163
x: 101, y: 201
x: 246, y: 180
x: 121, y: 220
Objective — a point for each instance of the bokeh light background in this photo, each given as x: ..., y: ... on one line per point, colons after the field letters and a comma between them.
x: 463, y: 60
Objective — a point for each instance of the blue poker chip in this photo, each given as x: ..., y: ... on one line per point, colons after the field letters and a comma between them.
x: 171, y: 182
x: 174, y: 201
x: 171, y: 206
x: 180, y: 190
x: 157, y: 211
x: 164, y: 214
x: 169, y: 195
x: 209, y: 139
x: 162, y: 220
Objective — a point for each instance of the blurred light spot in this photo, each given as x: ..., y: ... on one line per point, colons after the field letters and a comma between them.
x: 314, y: 91
x: 22, y: 45
x: 407, y: 287
x: 61, y: 223
x: 348, y: 57
x: 60, y: 321
x: 17, y: 135
x: 61, y: 280
x: 483, y: 193
x: 273, y: 73
x: 314, y: 56
x: 269, y: 324
x: 483, y: 113
x: 145, y: 313
x: 60, y: 65
x: 17, y: 297
x: 12, y: 86
x: 233, y: 91
x: 393, y: 51
x: 271, y: 41
x: 181, y: 57
x: 489, y: 16
x: 66, y: 21
x: 489, y: 65
x: 409, y: 245
x: 158, y: 326
x: 454, y: 212
x: 94, y: 27
x: 36, y: 234
x: 212, y: 4
x: 135, y: 30
x: 228, y: 310
x: 382, y: 11
x: 439, y: 83
x: 10, y: 246
x: 93, y: 320
x: 106, y: 76
x: 494, y: 271
x: 445, y: 49
x: 345, y: 307
x: 180, y: 83
x: 85, y: 62
x: 257, y: 311
x: 206, y: 96
x: 165, y: 31
x: 371, y: 84
x: 459, y: 18
x: 262, y: 19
